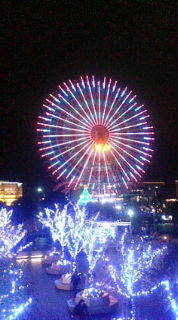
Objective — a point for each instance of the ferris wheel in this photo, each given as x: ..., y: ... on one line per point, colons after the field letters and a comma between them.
x: 94, y: 132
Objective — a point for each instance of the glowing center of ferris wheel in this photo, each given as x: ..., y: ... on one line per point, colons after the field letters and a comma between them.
x: 100, y: 136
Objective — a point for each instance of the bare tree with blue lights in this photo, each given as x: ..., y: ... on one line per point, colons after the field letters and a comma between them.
x: 137, y: 264
x: 12, y: 300
x: 73, y: 231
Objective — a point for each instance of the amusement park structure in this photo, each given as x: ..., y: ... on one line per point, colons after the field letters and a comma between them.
x: 93, y: 132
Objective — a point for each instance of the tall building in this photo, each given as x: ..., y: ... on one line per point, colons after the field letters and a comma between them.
x: 10, y: 192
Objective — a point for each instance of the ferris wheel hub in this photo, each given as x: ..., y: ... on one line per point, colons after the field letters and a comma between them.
x: 100, y: 134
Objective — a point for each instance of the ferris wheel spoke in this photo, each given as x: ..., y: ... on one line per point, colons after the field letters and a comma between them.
x: 43, y: 142
x: 120, y: 166
x: 86, y: 103
x: 136, y: 115
x: 110, y: 109
x: 79, y: 104
x: 91, y: 96
x: 74, y: 109
x: 114, y: 86
x: 133, y: 140
x: 70, y: 105
x: 99, y: 102
x: 124, y: 113
x: 68, y: 121
x: 91, y: 170
x: 64, y: 152
x: 99, y: 172
x: 134, y: 133
x: 106, y: 169
x: 128, y: 119
x: 61, y: 127
x: 44, y: 118
x: 128, y: 153
x: 59, y: 144
x: 106, y: 101
x: 132, y: 148
x: 119, y: 107
x: 128, y: 127
x: 69, y: 159
x: 62, y: 109
x: 123, y: 158
x: 84, y: 167
x: 66, y: 135
x: 43, y: 130
x: 78, y: 162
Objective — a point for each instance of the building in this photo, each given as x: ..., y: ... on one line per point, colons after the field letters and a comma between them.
x: 176, y: 182
x: 151, y: 189
x: 10, y: 192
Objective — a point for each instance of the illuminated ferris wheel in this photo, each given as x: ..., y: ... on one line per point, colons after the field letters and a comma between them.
x: 93, y: 132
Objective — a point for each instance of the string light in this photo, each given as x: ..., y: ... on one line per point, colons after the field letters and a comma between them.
x: 14, y: 291
x: 10, y: 276
x: 134, y: 268
x: 73, y: 231
x: 10, y: 236
x: 170, y: 299
x: 57, y: 222
x: 136, y: 260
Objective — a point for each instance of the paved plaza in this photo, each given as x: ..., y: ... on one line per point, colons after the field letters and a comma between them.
x: 50, y: 303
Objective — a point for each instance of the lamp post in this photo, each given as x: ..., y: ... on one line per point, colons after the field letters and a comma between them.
x: 39, y: 189
x: 41, y: 195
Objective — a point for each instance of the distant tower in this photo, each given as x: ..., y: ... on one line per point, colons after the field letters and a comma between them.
x: 176, y: 182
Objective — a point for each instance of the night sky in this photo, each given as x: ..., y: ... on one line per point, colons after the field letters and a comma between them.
x: 48, y: 42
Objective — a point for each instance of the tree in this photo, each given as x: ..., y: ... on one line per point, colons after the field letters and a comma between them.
x: 139, y: 263
x: 72, y: 229
x: 10, y: 236
x: 58, y: 222
x: 82, y: 236
x: 12, y: 288
x: 77, y: 227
